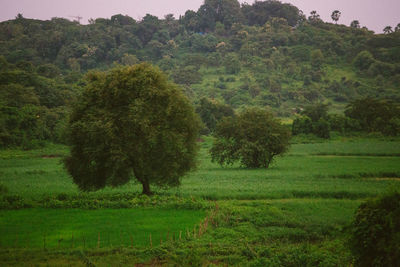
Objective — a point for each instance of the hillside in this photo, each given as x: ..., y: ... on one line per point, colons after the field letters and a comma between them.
x: 266, y: 54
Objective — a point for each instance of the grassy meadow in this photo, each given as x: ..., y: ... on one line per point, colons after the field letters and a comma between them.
x: 295, y: 213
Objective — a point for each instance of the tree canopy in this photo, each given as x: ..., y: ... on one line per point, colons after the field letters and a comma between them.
x: 254, y: 138
x: 131, y: 122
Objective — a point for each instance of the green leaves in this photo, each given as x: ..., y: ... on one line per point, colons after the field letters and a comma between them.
x: 131, y: 122
x: 254, y: 138
x: 375, y: 234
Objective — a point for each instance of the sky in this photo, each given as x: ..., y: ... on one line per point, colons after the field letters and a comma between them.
x: 371, y: 13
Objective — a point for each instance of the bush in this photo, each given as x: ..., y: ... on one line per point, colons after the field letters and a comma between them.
x: 254, y: 138
x: 375, y: 232
x: 302, y: 125
x: 363, y: 60
x: 314, y: 120
x: 381, y: 68
x: 321, y: 128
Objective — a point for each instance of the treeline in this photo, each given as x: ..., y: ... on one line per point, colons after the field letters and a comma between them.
x: 367, y: 115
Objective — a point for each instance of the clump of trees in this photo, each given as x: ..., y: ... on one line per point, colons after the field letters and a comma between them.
x: 131, y: 122
x: 313, y: 120
x: 375, y: 115
x: 279, y: 59
x: 363, y: 115
x: 32, y: 104
x: 375, y: 232
x: 254, y: 138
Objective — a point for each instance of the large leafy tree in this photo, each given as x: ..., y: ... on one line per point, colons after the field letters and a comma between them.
x: 254, y: 138
x: 129, y: 123
x: 261, y: 11
x: 226, y: 12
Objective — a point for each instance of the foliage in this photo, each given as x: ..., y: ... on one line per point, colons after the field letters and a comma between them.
x: 375, y: 232
x: 262, y: 11
x: 375, y: 115
x: 313, y: 119
x: 288, y: 61
x: 363, y: 60
x: 131, y: 122
x: 254, y: 137
x: 232, y: 64
x: 32, y: 106
x: 355, y: 24
x: 336, y: 15
x: 317, y: 59
x: 211, y: 112
x: 187, y: 75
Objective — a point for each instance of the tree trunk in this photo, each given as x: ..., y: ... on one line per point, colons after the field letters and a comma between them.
x: 146, y: 188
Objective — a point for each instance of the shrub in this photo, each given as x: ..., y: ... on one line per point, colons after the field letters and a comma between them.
x: 375, y: 232
x: 321, y: 128
x: 363, y: 60
x: 314, y: 120
x: 254, y: 138
x: 302, y: 125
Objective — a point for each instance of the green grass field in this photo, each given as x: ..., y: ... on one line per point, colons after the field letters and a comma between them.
x: 67, y: 228
x: 293, y: 214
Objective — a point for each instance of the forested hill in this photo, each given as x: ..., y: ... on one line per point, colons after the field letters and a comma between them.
x: 264, y: 54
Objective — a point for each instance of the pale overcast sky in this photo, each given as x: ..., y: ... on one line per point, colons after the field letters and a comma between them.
x: 371, y: 13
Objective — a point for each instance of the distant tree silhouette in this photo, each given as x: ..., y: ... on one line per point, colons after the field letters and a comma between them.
x: 355, y: 24
x: 314, y: 16
x: 387, y: 30
x: 336, y: 15
x: 397, y: 29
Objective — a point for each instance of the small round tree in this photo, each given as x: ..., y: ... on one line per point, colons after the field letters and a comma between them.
x: 254, y: 138
x: 131, y: 122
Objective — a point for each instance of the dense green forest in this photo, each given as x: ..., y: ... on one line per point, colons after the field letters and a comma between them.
x: 226, y: 56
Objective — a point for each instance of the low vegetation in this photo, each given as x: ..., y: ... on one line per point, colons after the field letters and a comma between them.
x: 296, y: 212
x: 376, y: 232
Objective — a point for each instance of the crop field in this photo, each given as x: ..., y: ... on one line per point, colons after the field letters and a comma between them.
x: 295, y: 213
